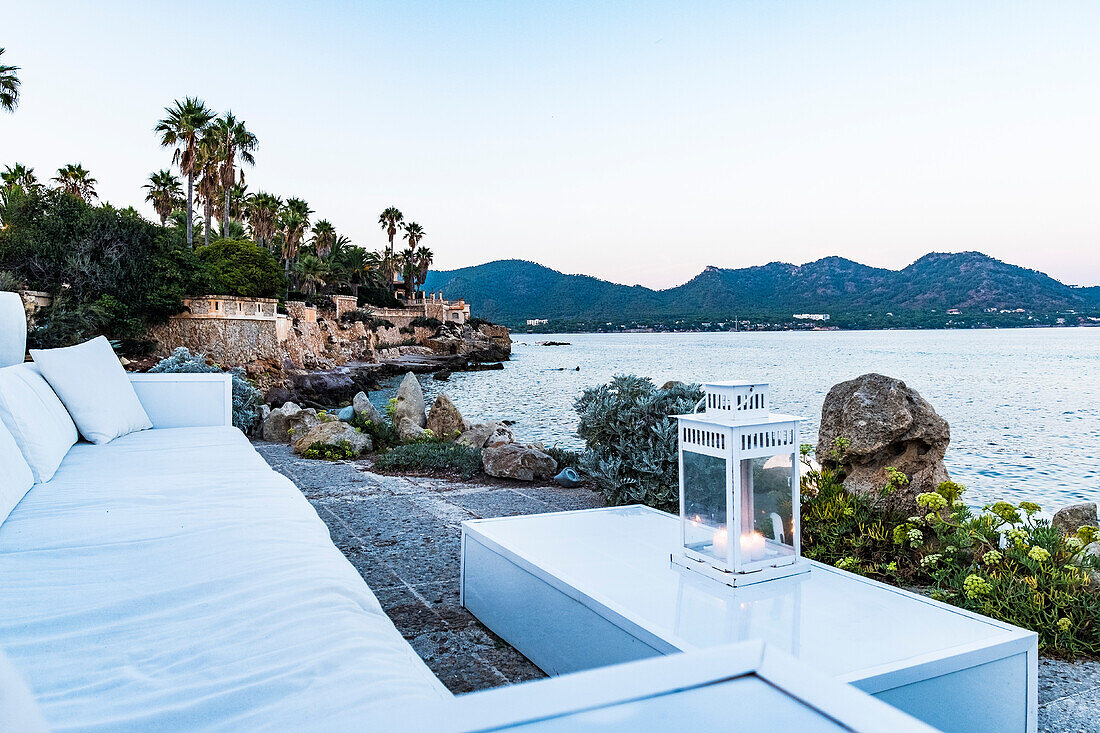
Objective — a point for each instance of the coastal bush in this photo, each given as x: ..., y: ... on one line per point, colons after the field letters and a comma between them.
x: 566, y: 458
x: 370, y: 321
x: 631, y: 440
x: 246, y: 398
x: 382, y: 434
x: 118, y: 272
x: 422, y: 322
x: 1003, y: 561
x: 476, y: 323
x: 242, y: 268
x: 342, y: 451
x: 463, y: 460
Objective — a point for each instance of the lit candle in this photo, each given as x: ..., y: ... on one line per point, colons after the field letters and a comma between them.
x: 721, y: 541
x: 752, y: 547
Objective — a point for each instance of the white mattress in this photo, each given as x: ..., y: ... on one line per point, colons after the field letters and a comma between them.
x: 170, y: 580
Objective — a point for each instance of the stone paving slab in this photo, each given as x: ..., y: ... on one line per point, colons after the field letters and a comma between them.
x: 402, y: 535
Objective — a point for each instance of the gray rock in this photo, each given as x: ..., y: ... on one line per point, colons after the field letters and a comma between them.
x: 486, y: 434
x: 410, y: 403
x: 1068, y: 520
x: 301, y: 422
x: 366, y: 409
x: 345, y: 413
x: 886, y: 425
x: 444, y: 420
x: 277, y: 423
x: 521, y: 462
x: 333, y: 433
x: 409, y: 431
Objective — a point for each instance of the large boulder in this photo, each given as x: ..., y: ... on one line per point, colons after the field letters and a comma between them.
x: 408, y: 431
x: 444, y: 420
x: 486, y: 435
x: 883, y: 424
x: 365, y: 409
x: 1068, y: 520
x: 334, y: 434
x: 410, y: 403
x: 281, y: 421
x: 516, y: 461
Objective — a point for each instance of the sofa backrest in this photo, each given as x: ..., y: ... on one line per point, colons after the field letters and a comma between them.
x: 13, y: 329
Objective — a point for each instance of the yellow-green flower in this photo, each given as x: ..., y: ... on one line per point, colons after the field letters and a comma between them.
x: 930, y: 561
x: 1064, y: 624
x: 992, y: 557
x: 1038, y: 554
x: 1029, y: 507
x: 976, y: 585
x: 931, y: 500
x: 1074, y: 544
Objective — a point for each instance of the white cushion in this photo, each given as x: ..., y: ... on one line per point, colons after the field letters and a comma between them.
x: 94, y: 388
x: 36, y: 419
x: 16, y: 478
x: 18, y: 710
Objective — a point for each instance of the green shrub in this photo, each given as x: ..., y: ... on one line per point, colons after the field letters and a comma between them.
x: 566, y: 458
x: 631, y: 439
x: 341, y: 451
x: 422, y: 322
x: 242, y: 268
x: 1003, y: 561
x: 368, y: 319
x: 382, y: 434
x: 117, y: 272
x: 432, y: 456
x: 246, y: 398
x: 476, y: 323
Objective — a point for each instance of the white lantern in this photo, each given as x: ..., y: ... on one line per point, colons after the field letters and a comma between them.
x: 739, y: 487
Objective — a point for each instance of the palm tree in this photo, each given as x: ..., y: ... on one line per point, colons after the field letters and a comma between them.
x: 262, y: 211
x: 182, y: 128
x: 390, y: 221
x: 413, y: 234
x: 9, y: 86
x: 236, y: 202
x: 422, y: 262
x: 164, y: 192
x: 311, y: 271
x: 208, y: 190
x: 323, y: 235
x: 233, y: 141
x: 295, y: 223
x: 19, y: 175
x: 76, y: 179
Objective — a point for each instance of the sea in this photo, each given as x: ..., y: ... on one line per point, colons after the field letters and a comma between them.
x: 1023, y: 404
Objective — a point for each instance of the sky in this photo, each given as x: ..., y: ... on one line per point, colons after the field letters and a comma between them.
x: 635, y: 141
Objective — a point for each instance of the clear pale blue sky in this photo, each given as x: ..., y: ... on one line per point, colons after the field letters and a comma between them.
x: 635, y: 141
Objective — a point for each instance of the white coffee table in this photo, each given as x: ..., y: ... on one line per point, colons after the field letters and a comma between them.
x: 585, y: 589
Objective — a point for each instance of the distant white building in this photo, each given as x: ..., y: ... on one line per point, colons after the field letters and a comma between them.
x: 537, y: 321
x: 811, y: 316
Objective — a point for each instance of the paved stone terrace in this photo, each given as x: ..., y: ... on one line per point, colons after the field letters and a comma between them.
x: 402, y: 535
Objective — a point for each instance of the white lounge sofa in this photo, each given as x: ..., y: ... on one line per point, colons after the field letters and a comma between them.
x: 170, y: 580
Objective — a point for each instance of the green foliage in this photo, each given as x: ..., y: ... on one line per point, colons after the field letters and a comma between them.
x: 341, y: 451
x: 368, y: 319
x: 246, y: 398
x: 116, y: 273
x: 566, y: 458
x: 430, y: 323
x: 242, y: 268
x: 432, y: 456
x: 476, y: 323
x: 1002, y: 561
x: 631, y: 440
x: 382, y: 434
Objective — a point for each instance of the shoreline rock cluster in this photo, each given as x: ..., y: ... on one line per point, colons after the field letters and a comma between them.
x: 502, y: 456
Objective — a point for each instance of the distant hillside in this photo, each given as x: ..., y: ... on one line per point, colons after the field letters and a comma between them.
x: 511, y: 291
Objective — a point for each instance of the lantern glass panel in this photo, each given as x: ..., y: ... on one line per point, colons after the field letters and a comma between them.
x: 767, y: 520
x: 704, y: 514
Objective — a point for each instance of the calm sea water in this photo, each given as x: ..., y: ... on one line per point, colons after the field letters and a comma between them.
x: 1023, y: 404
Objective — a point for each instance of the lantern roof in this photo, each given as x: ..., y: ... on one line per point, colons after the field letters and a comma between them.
x: 731, y: 421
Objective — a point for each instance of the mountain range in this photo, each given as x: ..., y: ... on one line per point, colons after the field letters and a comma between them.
x: 511, y: 291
